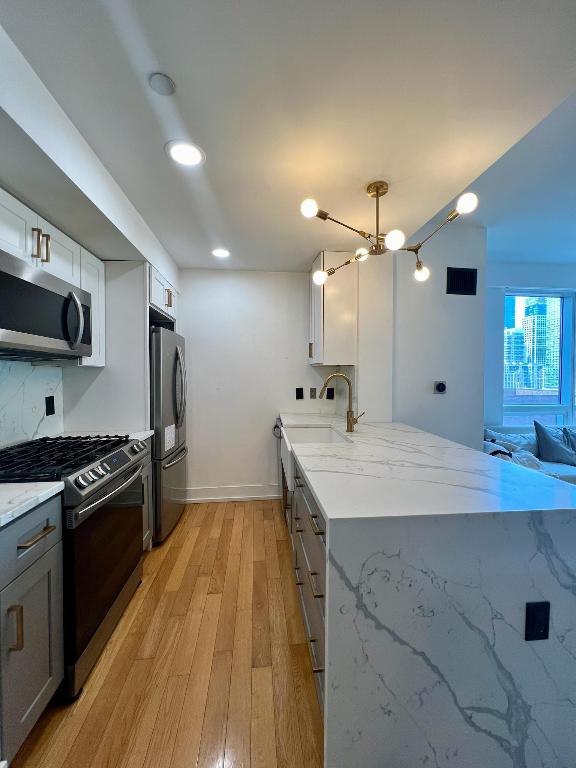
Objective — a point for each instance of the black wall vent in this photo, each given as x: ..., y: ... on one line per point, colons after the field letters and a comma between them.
x: 461, y: 280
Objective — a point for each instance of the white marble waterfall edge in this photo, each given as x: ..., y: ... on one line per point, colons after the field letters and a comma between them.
x: 426, y: 659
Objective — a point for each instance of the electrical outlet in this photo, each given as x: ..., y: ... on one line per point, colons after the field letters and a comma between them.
x: 312, y: 393
x: 299, y: 393
x: 537, y: 621
x: 330, y: 393
x: 50, y: 407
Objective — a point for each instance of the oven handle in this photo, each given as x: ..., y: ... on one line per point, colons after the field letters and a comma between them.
x: 113, y: 493
x: 176, y: 461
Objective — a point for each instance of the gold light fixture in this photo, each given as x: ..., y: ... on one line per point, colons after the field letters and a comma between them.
x: 395, y: 240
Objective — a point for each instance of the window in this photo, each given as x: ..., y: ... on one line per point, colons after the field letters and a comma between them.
x: 538, y: 359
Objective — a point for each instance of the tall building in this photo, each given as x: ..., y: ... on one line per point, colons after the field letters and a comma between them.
x: 509, y: 311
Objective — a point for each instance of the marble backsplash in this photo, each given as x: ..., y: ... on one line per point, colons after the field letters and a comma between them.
x: 23, y: 388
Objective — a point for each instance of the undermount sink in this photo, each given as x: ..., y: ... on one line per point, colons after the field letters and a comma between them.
x: 314, y: 435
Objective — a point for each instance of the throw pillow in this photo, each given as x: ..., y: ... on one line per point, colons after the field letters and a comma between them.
x: 513, y: 442
x: 493, y: 449
x: 551, y: 447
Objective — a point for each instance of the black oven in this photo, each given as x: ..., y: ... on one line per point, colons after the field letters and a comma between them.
x: 41, y: 316
x: 102, y: 569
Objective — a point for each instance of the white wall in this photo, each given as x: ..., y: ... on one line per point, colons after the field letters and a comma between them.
x: 247, y: 347
x: 501, y: 276
x: 441, y: 337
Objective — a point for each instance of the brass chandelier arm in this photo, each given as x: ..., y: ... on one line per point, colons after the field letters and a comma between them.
x: 365, y: 235
x: 450, y: 218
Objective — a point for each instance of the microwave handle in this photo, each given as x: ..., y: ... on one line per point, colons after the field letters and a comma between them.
x: 80, y: 333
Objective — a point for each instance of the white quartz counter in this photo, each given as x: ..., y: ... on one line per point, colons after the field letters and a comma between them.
x: 394, y: 470
x: 18, y: 498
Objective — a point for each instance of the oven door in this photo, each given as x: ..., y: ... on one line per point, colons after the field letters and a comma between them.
x: 102, y: 562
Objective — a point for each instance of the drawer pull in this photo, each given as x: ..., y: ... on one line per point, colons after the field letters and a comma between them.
x: 298, y: 530
x: 298, y: 582
x: 312, y: 579
x: 18, y: 610
x: 315, y: 528
x: 315, y: 670
x: 298, y: 483
x: 39, y: 536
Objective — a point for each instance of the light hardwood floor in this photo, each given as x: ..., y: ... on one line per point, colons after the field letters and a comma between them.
x: 209, y: 665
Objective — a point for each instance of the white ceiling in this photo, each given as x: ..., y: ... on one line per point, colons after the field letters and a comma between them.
x: 292, y: 98
x: 529, y: 195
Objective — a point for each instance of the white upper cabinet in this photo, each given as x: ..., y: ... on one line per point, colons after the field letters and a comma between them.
x: 16, y: 225
x: 93, y: 280
x: 162, y: 294
x: 334, y: 312
x: 60, y: 254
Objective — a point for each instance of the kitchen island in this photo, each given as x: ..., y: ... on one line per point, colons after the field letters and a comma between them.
x: 433, y: 551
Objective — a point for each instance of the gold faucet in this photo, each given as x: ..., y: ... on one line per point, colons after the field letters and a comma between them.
x: 351, y: 420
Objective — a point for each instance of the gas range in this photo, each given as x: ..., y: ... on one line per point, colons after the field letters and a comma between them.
x: 85, y: 464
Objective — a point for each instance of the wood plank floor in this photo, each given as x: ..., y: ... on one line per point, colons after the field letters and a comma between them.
x: 208, y: 667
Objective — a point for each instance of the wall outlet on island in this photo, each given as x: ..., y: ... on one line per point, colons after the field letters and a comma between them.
x: 50, y: 407
x: 299, y: 393
x: 330, y: 393
x: 312, y: 393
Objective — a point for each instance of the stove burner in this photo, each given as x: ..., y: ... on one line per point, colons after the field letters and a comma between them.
x: 53, y: 458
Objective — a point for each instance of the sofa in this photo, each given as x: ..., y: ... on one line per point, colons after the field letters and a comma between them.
x: 520, y: 446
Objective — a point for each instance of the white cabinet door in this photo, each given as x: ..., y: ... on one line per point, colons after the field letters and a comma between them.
x: 316, y: 351
x: 334, y: 312
x: 16, y: 224
x: 162, y: 294
x: 93, y: 280
x: 60, y: 254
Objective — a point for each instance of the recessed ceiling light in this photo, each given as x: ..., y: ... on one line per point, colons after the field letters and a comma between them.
x: 162, y: 84
x: 185, y: 153
x: 221, y: 253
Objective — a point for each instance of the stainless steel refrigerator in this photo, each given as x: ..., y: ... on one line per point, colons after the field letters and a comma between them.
x: 168, y: 412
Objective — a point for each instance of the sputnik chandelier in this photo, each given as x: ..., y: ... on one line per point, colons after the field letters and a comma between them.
x: 392, y: 241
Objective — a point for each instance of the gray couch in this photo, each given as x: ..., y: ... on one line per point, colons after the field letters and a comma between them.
x: 526, y: 443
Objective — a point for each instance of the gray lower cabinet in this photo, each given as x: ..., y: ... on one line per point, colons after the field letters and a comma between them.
x: 31, y: 638
x: 308, y: 537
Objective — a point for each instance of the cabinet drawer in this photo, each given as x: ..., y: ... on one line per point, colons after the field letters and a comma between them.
x: 28, y: 538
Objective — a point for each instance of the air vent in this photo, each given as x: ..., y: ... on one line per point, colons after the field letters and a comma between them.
x: 461, y: 281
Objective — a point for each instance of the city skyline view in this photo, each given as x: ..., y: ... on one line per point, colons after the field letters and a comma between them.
x: 532, y: 350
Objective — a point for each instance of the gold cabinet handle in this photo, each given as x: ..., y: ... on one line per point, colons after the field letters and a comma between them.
x: 46, y: 257
x: 312, y: 579
x: 298, y: 582
x: 298, y: 530
x: 315, y: 670
x: 318, y: 531
x: 18, y: 611
x: 38, y: 233
x: 46, y: 531
x: 169, y: 297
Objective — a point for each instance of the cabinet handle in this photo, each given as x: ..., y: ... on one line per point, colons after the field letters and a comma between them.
x: 314, y: 524
x: 18, y: 610
x: 298, y: 483
x: 298, y: 582
x: 46, y: 258
x: 46, y: 531
x: 310, y: 349
x: 169, y: 297
x: 38, y: 232
x: 315, y: 670
x: 298, y: 530
x: 312, y: 578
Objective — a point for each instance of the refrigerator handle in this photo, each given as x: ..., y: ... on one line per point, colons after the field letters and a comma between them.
x: 181, y: 404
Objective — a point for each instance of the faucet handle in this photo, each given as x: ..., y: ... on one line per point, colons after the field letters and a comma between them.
x: 357, y: 418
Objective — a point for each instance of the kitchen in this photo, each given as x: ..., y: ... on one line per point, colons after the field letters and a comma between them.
x: 245, y: 518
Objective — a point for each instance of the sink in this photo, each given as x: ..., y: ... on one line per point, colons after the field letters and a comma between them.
x: 314, y: 435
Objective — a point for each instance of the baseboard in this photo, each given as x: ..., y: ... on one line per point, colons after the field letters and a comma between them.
x: 231, y: 493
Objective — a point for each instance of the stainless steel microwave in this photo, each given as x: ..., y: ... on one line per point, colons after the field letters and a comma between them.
x: 41, y: 316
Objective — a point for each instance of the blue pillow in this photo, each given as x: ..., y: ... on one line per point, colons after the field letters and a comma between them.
x: 553, y: 445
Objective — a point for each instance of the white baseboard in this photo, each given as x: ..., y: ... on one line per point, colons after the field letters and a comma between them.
x: 231, y: 493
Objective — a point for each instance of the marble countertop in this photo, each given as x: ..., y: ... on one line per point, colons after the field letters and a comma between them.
x: 18, y: 498
x: 394, y: 470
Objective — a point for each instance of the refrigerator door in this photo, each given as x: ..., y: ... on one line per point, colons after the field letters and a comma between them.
x: 168, y: 391
x: 169, y: 488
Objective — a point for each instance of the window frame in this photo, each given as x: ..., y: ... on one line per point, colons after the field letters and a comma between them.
x: 566, y: 407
